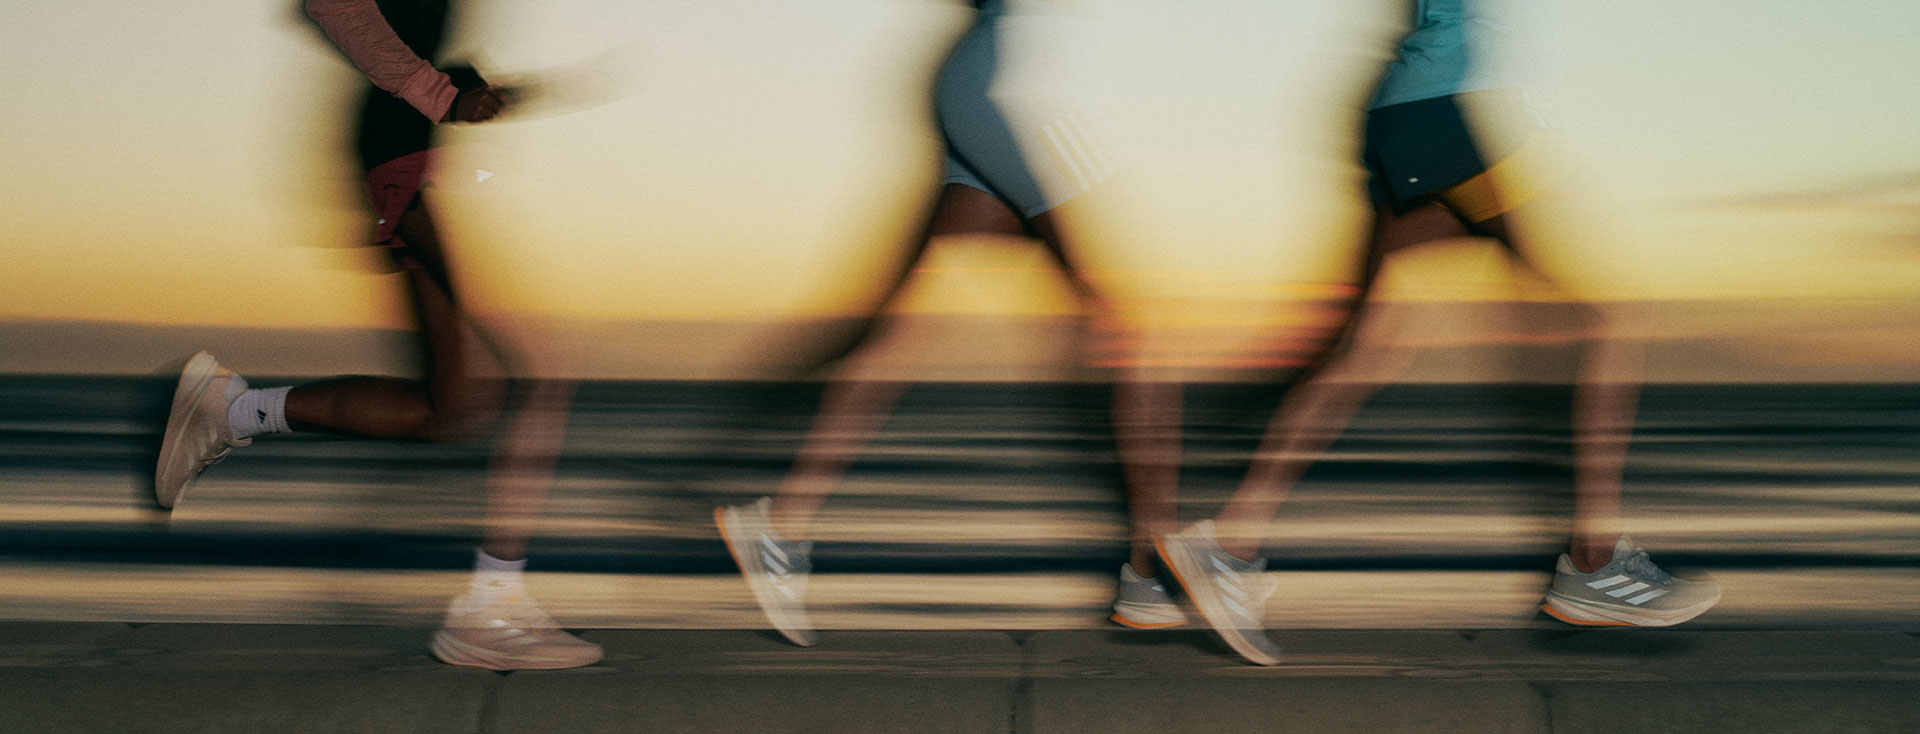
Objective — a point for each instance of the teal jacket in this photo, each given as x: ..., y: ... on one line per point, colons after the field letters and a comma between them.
x: 1461, y: 46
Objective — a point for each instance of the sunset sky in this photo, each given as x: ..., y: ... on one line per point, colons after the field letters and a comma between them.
x: 750, y: 161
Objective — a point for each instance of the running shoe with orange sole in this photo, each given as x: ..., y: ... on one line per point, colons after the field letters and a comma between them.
x: 1630, y: 591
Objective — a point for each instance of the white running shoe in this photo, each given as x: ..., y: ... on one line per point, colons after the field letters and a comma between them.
x: 1230, y: 594
x: 775, y: 568
x: 197, y: 434
x: 1630, y: 591
x: 511, y: 633
x: 1143, y: 603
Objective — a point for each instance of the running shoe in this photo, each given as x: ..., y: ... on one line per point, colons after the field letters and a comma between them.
x: 1143, y: 603
x: 775, y: 568
x: 1630, y: 591
x: 511, y: 633
x: 197, y: 434
x: 1230, y: 594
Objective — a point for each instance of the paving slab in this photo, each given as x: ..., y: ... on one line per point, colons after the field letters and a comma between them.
x: 754, y: 681
x: 1692, y: 655
x: 48, y: 644
x: 942, y: 653
x: 138, y: 702
x: 828, y: 704
x: 1649, y: 643
x: 261, y: 647
x: 1330, y: 681
x: 1853, y: 707
x: 113, y: 677
x: 1280, y: 706
x: 13, y: 634
x: 1187, y: 652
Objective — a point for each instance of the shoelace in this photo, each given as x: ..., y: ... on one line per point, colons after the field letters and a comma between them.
x: 1641, y: 565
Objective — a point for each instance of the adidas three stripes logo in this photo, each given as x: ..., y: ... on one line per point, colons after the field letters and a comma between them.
x: 1612, y: 586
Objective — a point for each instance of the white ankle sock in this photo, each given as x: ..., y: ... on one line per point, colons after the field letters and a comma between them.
x: 493, y: 579
x: 255, y: 412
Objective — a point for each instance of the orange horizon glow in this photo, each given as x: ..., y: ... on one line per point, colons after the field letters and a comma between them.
x: 760, y: 167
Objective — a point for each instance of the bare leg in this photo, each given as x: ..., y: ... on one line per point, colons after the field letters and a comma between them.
x: 851, y: 411
x: 450, y: 403
x: 1604, y: 403
x: 1147, y: 412
x: 1147, y: 422
x: 1605, y: 398
x: 521, y: 471
x: 1319, y: 407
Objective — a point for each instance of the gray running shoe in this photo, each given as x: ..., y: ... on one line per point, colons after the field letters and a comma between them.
x: 197, y: 434
x: 1229, y: 593
x: 511, y: 633
x: 1143, y: 603
x: 776, y: 569
x: 1630, y: 591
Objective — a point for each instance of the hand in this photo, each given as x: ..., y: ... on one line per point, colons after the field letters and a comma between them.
x: 479, y: 104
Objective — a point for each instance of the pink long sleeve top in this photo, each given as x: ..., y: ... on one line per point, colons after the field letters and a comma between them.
x: 363, y: 34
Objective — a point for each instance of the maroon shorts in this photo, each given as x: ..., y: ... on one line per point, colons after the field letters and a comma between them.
x: 392, y: 187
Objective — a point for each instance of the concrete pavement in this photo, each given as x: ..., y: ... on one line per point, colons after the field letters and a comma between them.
x: 111, y: 677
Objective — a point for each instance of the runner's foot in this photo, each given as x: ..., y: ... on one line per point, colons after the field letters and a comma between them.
x: 197, y: 434
x: 1230, y: 594
x: 1630, y: 591
x: 776, y: 569
x: 1143, y: 603
x: 509, y: 633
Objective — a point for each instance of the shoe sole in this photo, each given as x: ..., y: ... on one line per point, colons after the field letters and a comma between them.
x: 1182, y: 564
x: 763, y: 593
x: 194, y: 380
x: 1123, y: 621
x: 1574, y: 611
x: 454, y: 652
